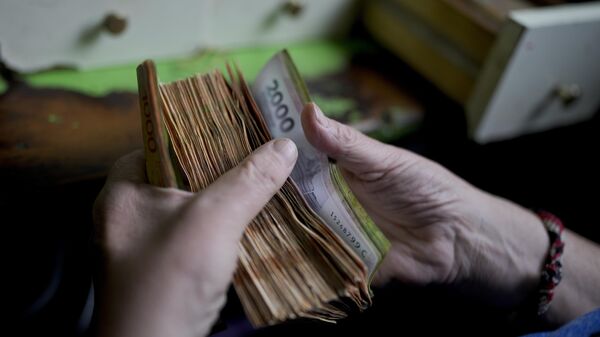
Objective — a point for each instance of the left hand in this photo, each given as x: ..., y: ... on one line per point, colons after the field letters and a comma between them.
x: 170, y: 254
x: 442, y: 229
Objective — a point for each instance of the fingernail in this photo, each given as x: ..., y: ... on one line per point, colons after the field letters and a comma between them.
x: 321, y: 119
x: 286, y: 148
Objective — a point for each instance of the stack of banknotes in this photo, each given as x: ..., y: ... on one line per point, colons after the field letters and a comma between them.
x: 312, y: 251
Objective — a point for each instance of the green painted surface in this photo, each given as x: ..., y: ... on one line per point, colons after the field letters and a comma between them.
x: 312, y: 59
x: 334, y: 107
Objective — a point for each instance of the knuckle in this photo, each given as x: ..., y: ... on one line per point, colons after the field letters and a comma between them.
x: 347, y: 138
x: 129, y: 167
x: 201, y: 204
x: 121, y: 193
x: 121, y: 164
x: 260, y: 173
x: 112, y: 205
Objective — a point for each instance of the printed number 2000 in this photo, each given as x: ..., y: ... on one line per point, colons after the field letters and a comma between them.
x: 286, y: 123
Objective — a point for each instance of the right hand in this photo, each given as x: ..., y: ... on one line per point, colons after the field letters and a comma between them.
x: 169, y: 255
x: 442, y: 230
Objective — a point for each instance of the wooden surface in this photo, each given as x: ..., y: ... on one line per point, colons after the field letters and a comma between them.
x: 50, y: 136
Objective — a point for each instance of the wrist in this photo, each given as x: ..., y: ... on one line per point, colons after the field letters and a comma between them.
x: 504, y: 249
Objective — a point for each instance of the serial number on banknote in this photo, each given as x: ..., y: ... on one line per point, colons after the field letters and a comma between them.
x: 338, y: 222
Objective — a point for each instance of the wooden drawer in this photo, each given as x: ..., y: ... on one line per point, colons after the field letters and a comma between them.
x: 37, y: 35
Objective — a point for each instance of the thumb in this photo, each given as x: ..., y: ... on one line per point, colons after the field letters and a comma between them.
x: 225, y: 208
x: 351, y: 149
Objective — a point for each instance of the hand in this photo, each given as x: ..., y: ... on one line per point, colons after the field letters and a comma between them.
x: 442, y: 229
x: 171, y: 254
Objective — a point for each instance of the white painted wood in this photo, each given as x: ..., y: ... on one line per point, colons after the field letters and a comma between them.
x: 251, y: 22
x: 557, y: 46
x: 40, y: 34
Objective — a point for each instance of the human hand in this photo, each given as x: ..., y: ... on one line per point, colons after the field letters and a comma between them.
x: 442, y: 230
x: 170, y: 254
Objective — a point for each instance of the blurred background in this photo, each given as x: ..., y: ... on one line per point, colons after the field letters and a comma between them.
x: 505, y: 93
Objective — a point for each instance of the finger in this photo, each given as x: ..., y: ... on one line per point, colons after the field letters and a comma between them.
x: 233, y: 200
x: 351, y: 149
x: 131, y: 167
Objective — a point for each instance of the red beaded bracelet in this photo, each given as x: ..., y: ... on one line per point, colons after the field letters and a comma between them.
x: 552, y: 271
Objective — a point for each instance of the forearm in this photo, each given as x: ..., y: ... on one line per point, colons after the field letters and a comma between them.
x: 579, y: 290
x: 504, y: 248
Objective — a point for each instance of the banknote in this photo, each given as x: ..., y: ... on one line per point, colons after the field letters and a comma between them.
x: 311, y: 252
x: 281, y: 95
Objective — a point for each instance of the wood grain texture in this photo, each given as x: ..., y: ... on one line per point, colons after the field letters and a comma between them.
x: 50, y: 136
